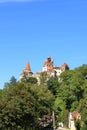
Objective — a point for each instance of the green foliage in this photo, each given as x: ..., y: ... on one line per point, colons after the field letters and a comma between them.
x: 31, y: 80
x: 21, y: 105
x: 12, y: 81
x: 53, y: 85
x: 84, y: 127
x: 16, y: 108
x: 43, y: 78
x: 44, y: 99
x: 78, y: 124
x: 72, y: 93
x: 74, y: 106
x: 83, y: 109
x: 60, y: 109
x: 71, y: 89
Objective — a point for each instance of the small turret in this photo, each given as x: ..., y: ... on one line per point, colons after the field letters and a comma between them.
x: 26, y: 72
x: 64, y: 67
x: 27, y: 68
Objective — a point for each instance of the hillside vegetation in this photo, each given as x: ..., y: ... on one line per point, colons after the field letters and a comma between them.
x: 27, y: 106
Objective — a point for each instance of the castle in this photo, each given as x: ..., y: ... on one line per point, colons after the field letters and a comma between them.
x: 48, y: 68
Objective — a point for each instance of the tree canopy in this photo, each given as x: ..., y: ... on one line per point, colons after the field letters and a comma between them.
x: 25, y: 104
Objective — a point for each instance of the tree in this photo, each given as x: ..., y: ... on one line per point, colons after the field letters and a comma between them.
x: 13, y: 80
x: 71, y: 89
x: 22, y: 105
x: 31, y: 80
x: 44, y: 99
x: 53, y: 85
x: 78, y: 124
x: 60, y: 110
x: 84, y: 127
x: 43, y: 78
x: 17, y: 108
x: 83, y: 109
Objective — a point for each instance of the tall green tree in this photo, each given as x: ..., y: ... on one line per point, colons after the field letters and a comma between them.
x: 60, y: 111
x: 71, y: 89
x: 43, y: 78
x: 53, y: 85
x: 21, y: 106
x: 13, y: 80
x: 83, y: 109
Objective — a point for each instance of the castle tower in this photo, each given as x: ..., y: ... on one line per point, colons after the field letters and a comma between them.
x: 48, y: 65
x: 26, y: 72
x: 64, y: 67
x: 27, y: 69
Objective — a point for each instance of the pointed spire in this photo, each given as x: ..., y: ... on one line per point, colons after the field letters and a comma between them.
x: 28, y: 67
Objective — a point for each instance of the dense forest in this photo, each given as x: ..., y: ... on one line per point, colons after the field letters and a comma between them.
x: 28, y: 106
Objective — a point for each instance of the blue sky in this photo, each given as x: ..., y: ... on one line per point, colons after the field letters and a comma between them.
x: 30, y: 30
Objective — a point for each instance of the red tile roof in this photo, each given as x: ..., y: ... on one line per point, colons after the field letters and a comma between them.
x: 28, y: 67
